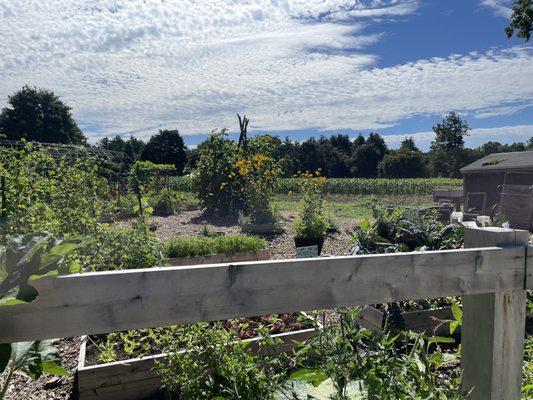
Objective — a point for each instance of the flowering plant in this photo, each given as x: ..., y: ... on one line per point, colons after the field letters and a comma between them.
x: 234, y: 180
x: 311, y: 223
x: 258, y: 171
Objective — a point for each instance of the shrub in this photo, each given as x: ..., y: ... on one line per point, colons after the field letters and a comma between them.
x: 126, y: 248
x: 167, y: 202
x: 232, y: 179
x: 258, y: 172
x: 219, y: 193
x: 181, y: 246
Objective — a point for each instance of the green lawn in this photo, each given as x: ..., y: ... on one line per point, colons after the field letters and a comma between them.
x: 344, y: 207
x: 356, y: 207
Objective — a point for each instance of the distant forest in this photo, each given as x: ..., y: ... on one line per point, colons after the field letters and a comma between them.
x: 338, y: 156
x: 39, y: 115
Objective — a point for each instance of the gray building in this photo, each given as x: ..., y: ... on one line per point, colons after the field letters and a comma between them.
x: 500, y: 184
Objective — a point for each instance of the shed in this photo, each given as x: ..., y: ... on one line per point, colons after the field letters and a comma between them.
x: 497, y: 177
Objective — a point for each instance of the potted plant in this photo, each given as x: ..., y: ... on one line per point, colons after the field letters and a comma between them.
x: 311, y: 226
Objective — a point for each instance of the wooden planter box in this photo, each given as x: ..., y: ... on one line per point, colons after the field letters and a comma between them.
x: 417, y: 321
x: 134, y: 379
x: 221, y: 258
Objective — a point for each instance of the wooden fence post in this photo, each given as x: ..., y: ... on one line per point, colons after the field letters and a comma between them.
x: 493, y: 327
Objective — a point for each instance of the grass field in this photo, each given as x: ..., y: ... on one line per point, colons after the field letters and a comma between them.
x: 355, y: 207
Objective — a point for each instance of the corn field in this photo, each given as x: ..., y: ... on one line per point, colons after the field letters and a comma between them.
x: 359, y: 186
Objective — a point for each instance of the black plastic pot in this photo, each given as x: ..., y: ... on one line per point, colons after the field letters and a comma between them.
x: 304, y: 242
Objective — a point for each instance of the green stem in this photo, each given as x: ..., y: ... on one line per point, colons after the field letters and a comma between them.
x: 6, y: 384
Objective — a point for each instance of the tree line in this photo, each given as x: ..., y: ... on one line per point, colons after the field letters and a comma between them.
x: 39, y: 115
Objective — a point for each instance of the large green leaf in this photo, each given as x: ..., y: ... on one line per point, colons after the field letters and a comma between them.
x: 31, y: 257
x: 34, y: 358
x: 313, y: 375
x: 26, y: 358
x: 326, y: 390
x: 51, y: 359
x: 457, y: 313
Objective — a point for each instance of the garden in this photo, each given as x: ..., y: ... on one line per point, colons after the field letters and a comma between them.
x: 71, y: 213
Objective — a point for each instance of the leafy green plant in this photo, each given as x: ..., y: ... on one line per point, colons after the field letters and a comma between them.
x: 218, y: 189
x: 181, y: 246
x: 31, y: 358
x: 215, y: 365
x: 33, y: 256
x: 351, y: 362
x: 124, y: 248
x: 142, y: 179
x: 258, y: 171
x: 312, y: 222
x: 395, y: 230
x: 23, y: 260
x: 167, y: 202
x: 46, y: 192
x: 366, y: 240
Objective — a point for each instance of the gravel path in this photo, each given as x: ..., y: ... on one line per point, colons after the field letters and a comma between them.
x: 187, y: 223
x: 280, y: 246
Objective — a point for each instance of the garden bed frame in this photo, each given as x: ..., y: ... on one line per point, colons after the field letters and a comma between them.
x: 259, y: 255
x: 134, y: 379
x: 492, y: 275
x: 419, y: 321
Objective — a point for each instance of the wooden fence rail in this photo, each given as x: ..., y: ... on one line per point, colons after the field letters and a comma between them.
x: 119, y: 300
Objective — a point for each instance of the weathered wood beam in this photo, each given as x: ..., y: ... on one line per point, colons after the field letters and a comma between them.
x: 119, y: 300
x: 493, y: 327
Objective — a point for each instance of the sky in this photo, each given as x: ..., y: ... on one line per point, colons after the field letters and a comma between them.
x: 295, y: 68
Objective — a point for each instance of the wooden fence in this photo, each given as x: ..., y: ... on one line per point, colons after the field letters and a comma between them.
x: 491, y: 274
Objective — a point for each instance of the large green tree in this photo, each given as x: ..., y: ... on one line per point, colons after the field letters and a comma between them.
x: 366, y: 157
x: 39, y: 115
x: 450, y: 134
x: 521, y: 21
x: 403, y: 163
x: 447, y: 153
x: 167, y: 147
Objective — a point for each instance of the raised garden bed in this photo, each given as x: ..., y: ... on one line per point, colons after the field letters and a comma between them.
x: 429, y: 321
x: 221, y: 258
x: 134, y: 378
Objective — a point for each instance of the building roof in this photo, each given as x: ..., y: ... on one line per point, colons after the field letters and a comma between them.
x: 501, y: 162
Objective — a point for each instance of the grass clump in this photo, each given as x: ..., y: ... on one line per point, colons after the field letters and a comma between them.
x: 186, y: 246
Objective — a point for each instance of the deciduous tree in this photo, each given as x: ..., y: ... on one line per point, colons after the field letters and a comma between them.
x: 521, y: 21
x: 39, y: 115
x: 167, y: 147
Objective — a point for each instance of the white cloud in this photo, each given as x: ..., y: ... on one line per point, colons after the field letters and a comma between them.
x: 501, y: 8
x: 134, y: 67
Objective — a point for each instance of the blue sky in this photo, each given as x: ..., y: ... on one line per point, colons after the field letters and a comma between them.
x: 296, y: 68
